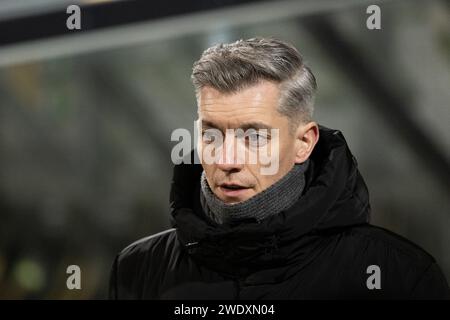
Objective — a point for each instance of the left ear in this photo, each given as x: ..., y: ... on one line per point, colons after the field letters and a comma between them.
x: 307, y: 137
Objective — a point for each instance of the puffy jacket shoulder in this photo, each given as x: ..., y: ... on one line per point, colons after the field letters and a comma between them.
x: 135, y: 265
x: 399, y: 258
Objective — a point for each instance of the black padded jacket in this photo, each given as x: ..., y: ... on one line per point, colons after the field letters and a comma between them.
x: 323, y: 247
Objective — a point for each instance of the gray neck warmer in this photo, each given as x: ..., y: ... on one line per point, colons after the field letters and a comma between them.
x: 278, y: 197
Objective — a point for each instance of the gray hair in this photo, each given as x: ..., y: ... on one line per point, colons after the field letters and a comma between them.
x: 239, y: 65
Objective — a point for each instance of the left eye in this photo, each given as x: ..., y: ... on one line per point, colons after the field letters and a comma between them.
x: 256, y: 139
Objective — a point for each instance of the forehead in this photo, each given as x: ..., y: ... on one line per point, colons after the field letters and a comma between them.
x: 258, y: 102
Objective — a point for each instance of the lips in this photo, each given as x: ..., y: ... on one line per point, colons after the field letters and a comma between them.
x: 232, y: 186
x: 233, y: 190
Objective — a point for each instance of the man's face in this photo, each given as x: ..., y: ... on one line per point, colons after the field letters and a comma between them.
x: 250, y: 109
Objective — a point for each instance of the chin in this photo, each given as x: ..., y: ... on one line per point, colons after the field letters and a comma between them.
x: 235, y: 198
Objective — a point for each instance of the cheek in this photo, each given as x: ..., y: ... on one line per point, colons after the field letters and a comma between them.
x: 288, y: 151
x: 267, y: 180
x: 254, y: 172
x: 209, y: 171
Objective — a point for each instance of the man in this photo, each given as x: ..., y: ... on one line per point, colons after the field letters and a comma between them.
x: 299, y: 232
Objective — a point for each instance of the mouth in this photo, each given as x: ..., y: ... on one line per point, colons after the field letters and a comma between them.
x: 233, y: 190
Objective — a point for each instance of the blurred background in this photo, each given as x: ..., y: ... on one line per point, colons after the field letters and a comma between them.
x: 86, y: 117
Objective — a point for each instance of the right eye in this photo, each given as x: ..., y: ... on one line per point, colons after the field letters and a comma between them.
x: 256, y: 139
x: 209, y: 136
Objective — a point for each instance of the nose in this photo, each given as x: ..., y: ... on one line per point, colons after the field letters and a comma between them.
x: 230, y: 158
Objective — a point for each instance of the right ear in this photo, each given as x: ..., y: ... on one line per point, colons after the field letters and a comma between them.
x: 307, y: 137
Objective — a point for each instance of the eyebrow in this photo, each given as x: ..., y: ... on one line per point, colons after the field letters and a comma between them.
x: 244, y: 126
